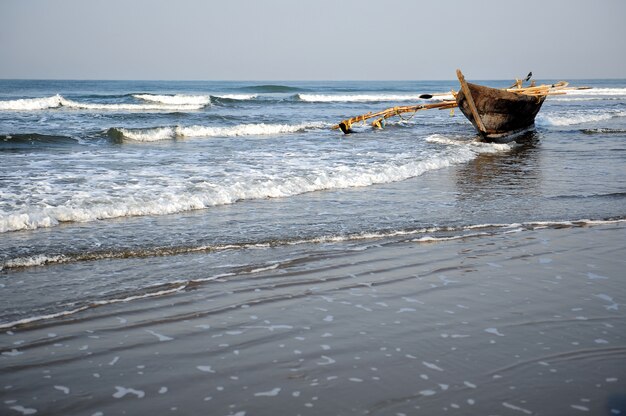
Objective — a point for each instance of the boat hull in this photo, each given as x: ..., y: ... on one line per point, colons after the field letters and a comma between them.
x: 502, y: 113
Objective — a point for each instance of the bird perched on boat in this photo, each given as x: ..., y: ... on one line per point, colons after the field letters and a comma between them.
x: 518, y: 82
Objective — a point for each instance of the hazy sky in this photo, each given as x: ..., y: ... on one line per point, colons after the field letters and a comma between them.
x: 311, y: 39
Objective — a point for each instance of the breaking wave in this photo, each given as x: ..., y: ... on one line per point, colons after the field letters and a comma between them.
x: 237, y: 97
x: 202, y: 100
x: 171, y: 201
x: 130, y: 107
x: 28, y: 104
x: 169, y: 133
x: 57, y: 101
x: 598, y: 91
x: 175, y: 99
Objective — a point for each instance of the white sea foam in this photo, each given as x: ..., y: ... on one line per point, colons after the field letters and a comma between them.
x: 428, y: 237
x: 129, y: 107
x: 37, y: 260
x: 240, y: 97
x: 177, y: 99
x: 181, y: 99
x: 24, y: 410
x: 431, y: 239
x: 123, y: 391
x: 588, y: 98
x: 271, y: 393
x: 161, y: 337
x: 148, y: 135
x: 519, y: 409
x: 474, y: 145
x: 598, y: 91
x: 181, y: 285
x: 28, y: 104
x: 261, y: 129
x: 31, y: 104
x: 325, y: 98
x: 173, y: 201
x: 578, y: 117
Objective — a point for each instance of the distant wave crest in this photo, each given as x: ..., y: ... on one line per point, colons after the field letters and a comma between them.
x: 57, y: 101
x: 326, y: 98
x: 578, y: 117
x: 28, y: 104
x: 237, y: 97
x: 270, y: 88
x: 177, y: 99
x: 598, y: 91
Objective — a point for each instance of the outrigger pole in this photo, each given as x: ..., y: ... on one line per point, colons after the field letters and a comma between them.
x: 346, y: 125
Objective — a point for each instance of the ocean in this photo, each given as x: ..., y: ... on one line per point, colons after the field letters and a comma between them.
x: 197, y: 207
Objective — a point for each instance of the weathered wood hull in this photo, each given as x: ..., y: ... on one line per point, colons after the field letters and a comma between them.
x: 502, y: 113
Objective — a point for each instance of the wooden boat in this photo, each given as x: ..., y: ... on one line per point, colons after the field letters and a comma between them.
x: 498, y: 113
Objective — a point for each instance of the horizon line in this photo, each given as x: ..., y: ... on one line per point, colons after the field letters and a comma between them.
x: 285, y: 80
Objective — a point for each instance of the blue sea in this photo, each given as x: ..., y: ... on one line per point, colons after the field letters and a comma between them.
x: 117, y: 179
x: 115, y: 193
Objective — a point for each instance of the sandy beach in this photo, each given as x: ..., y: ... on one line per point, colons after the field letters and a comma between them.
x: 312, y: 208
x: 519, y: 321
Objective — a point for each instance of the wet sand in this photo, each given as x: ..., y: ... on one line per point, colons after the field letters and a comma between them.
x: 520, y: 322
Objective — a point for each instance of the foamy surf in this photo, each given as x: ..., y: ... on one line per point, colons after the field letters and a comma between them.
x: 260, y: 129
x: 58, y: 101
x: 143, y: 135
x: 473, y: 145
x: 238, y: 97
x: 29, y: 104
x: 178, y: 99
x: 428, y: 236
x: 432, y: 234
x: 169, y: 133
x: 182, y: 99
x: 244, y: 188
x: 578, y: 117
x: 598, y: 91
x: 130, y: 107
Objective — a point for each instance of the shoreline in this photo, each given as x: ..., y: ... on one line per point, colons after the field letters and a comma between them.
x: 527, y: 322
x: 433, y: 234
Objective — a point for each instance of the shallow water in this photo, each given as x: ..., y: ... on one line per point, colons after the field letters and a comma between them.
x: 526, y: 320
x: 186, y: 203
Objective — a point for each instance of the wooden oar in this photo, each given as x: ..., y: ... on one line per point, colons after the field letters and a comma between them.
x: 470, y: 101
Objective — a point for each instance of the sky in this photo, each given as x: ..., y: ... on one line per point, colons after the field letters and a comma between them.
x: 311, y: 39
